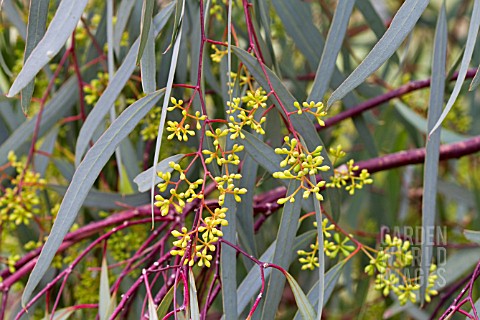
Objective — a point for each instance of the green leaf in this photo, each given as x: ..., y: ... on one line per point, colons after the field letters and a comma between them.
x: 194, y: 309
x: 335, y: 37
x: 283, y: 251
x: 123, y: 14
x: 262, y: 153
x: 37, y: 22
x: 472, y: 235
x: 304, y: 306
x: 321, y: 253
x: 228, y: 258
x: 59, y: 29
x: 83, y: 179
x: 144, y: 179
x: 163, y: 116
x: 104, y: 294
x: 248, y: 288
x: 115, y: 86
x: 297, y: 19
x: 125, y: 186
x: 375, y: 22
x: 152, y: 310
x: 148, y: 64
x: 467, y: 57
x: 401, y: 25
x: 432, y: 156
x: 147, y: 10
x: 475, y: 81
x: 165, y: 304
x: 331, y: 279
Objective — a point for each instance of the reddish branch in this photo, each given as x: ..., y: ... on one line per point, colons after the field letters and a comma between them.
x: 377, y: 101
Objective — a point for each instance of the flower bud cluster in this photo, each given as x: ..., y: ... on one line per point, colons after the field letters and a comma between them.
x: 346, y: 176
x: 390, y: 263
x: 309, y: 259
x: 181, y: 130
x: 243, y: 113
x: 315, y: 109
x: 20, y: 202
x: 301, y: 165
x: 177, y: 198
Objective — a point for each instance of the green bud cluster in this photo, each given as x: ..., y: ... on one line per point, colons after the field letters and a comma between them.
x: 242, y: 115
x: 95, y: 88
x: 181, y: 130
x: 346, y: 176
x: 177, y: 199
x: 19, y: 203
x: 315, y: 109
x: 301, y: 165
x: 390, y: 263
x: 309, y: 259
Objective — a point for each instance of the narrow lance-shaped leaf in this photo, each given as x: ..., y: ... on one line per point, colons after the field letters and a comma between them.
x: 163, y: 116
x: 475, y: 81
x: 145, y: 24
x: 403, y: 22
x: 194, y: 309
x: 37, y: 22
x: 59, y: 29
x: 321, y: 253
x: 283, y: 250
x: 115, y: 86
x: 331, y: 279
x: 104, y: 293
x: 83, y: 179
x: 467, y: 57
x: 432, y: 155
x: 123, y: 13
x: 148, y: 65
x: 304, y: 306
x: 336, y: 33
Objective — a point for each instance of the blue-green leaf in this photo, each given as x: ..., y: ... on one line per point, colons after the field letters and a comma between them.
x: 335, y: 37
x: 467, y: 57
x: 104, y: 294
x: 59, y: 29
x: 475, y: 81
x: 194, y: 309
x: 147, y: 10
x: 123, y: 13
x: 144, y: 179
x: 403, y: 22
x: 37, y: 21
x: 304, y: 306
x: 437, y: 88
x: 83, y: 179
x: 148, y: 64
x: 283, y: 251
x: 115, y: 86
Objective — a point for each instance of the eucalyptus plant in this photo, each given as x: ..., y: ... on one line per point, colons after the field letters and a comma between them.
x: 207, y: 159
